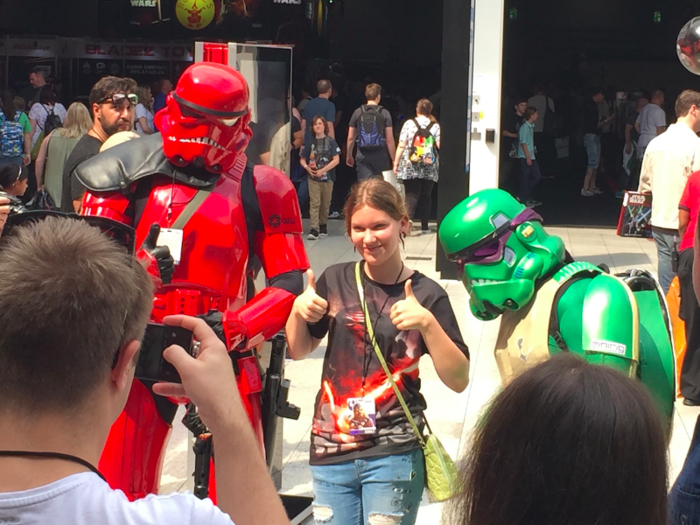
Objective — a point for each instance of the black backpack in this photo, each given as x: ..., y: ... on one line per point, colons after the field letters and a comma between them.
x: 370, y: 128
x: 53, y: 121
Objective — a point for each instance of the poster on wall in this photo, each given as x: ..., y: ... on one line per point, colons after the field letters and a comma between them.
x: 146, y: 72
x: 88, y: 71
x: 146, y: 13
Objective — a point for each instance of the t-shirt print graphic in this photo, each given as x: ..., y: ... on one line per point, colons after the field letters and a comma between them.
x: 335, y: 423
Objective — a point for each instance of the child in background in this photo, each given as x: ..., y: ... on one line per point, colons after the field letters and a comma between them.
x: 319, y: 158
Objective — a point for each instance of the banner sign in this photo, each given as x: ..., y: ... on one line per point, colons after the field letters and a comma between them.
x: 120, y: 50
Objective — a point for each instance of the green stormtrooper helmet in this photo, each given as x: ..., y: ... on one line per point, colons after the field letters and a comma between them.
x: 501, y: 249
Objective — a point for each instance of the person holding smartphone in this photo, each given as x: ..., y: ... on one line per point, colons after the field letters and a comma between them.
x: 66, y: 369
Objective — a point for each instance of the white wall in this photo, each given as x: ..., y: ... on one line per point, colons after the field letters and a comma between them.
x: 486, y: 93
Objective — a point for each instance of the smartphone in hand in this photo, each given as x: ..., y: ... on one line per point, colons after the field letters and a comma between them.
x: 151, y: 365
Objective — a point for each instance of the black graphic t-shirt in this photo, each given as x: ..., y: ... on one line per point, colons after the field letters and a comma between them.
x: 319, y: 153
x: 350, y: 358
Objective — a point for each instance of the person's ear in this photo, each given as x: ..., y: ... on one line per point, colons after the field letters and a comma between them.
x: 96, y: 109
x: 123, y: 370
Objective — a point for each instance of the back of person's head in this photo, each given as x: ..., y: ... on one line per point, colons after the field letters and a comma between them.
x: 39, y: 71
x: 20, y: 103
x: 10, y: 174
x: 425, y: 108
x: 70, y: 300
x: 373, y: 91
x: 657, y: 96
x: 686, y: 100
x: 529, y: 111
x: 378, y: 194
x: 7, y: 103
x: 77, y: 122
x: 566, y: 442
x: 324, y: 87
x: 108, y: 86
x: 47, y: 96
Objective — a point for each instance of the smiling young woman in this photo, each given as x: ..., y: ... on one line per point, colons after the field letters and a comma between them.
x: 366, y: 460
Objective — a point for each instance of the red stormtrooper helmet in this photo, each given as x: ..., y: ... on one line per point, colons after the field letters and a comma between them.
x: 206, y: 117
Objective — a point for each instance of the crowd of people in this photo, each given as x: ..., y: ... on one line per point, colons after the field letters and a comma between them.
x: 370, y: 150
x: 589, y: 447
x: 49, y: 141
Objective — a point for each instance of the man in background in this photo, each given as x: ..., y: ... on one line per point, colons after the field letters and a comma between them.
x: 321, y: 106
x: 372, y: 131
x: 669, y: 159
x: 651, y: 122
x: 112, y: 101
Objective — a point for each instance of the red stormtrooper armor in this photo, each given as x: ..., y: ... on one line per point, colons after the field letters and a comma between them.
x: 193, y: 179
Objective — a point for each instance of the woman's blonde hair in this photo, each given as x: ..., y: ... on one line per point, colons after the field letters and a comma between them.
x: 378, y: 194
x: 144, y: 94
x: 77, y: 122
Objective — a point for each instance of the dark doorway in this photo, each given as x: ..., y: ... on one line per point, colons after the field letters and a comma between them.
x: 625, y: 47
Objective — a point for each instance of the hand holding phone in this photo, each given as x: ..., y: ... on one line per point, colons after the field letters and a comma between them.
x: 208, y: 380
x: 151, y: 365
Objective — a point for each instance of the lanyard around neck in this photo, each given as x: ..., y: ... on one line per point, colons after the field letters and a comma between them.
x: 51, y: 455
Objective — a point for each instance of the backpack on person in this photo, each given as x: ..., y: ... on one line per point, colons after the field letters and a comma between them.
x: 371, y: 128
x: 11, y: 136
x: 424, y: 148
x: 53, y: 121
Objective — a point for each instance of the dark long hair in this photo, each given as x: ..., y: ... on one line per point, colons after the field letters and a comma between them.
x: 567, y: 442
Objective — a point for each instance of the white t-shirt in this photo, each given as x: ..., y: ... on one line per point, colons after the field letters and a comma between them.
x: 142, y: 111
x: 540, y: 102
x: 39, y: 112
x: 650, y: 118
x: 84, y: 499
x: 669, y: 161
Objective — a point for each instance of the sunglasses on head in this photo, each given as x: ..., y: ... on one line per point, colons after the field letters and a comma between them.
x: 490, y: 249
x: 118, y: 98
x: 122, y: 234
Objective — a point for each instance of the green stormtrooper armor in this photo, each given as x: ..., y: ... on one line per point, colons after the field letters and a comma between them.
x: 549, y: 303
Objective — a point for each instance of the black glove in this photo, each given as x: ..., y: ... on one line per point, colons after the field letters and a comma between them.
x: 215, y: 321
x: 166, y: 263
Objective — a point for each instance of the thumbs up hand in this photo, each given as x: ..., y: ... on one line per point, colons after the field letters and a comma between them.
x: 310, y: 306
x: 408, y: 314
x: 160, y: 263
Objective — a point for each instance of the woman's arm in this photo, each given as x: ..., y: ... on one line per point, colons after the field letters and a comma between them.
x: 41, y: 162
x: 144, y: 126
x: 33, y: 123
x: 451, y: 365
x: 309, y: 307
x: 399, y: 153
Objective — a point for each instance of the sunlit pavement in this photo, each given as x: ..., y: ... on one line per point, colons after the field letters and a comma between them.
x: 452, y: 416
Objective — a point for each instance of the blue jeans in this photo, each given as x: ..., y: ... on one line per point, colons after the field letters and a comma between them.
x: 667, y: 241
x: 591, y: 142
x: 529, y: 177
x: 684, y: 498
x: 367, y: 491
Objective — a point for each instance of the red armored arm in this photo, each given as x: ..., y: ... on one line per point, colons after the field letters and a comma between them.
x: 280, y: 248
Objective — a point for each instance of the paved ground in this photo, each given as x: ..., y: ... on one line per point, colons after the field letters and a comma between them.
x: 452, y: 415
